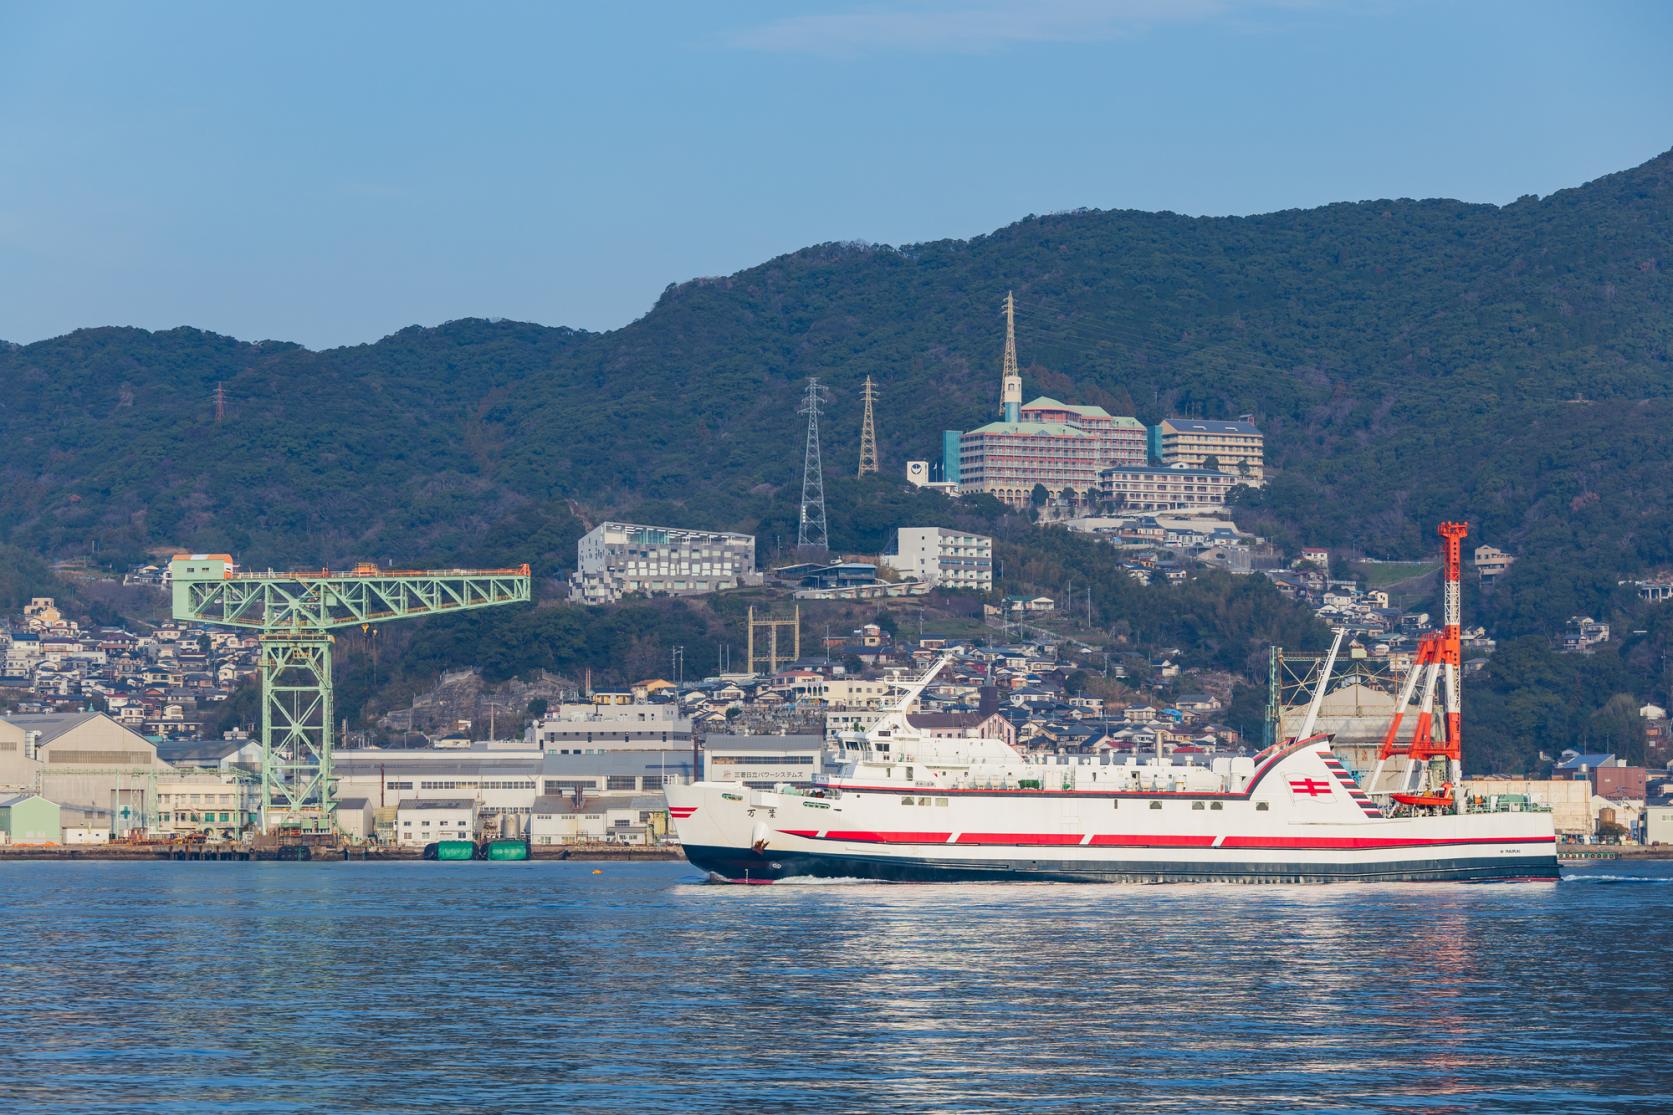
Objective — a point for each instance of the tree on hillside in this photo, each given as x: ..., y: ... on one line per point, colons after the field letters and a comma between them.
x: 1617, y: 728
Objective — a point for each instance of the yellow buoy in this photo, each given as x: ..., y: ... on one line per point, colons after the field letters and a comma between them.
x: 598, y: 871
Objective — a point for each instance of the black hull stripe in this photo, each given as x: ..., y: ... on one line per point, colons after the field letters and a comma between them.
x: 743, y: 865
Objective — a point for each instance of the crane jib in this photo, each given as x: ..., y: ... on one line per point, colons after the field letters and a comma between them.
x: 295, y: 613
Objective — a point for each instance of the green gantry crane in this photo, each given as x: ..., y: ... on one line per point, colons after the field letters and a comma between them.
x: 296, y: 613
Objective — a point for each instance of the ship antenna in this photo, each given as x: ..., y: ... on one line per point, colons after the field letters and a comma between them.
x: 895, y: 718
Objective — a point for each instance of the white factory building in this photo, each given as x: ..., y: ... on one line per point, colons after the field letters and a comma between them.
x: 614, y: 560
x: 418, y: 821
x: 943, y: 558
x: 584, y: 727
x: 763, y: 761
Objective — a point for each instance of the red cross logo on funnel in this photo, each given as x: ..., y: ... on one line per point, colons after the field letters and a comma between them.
x: 1309, y: 786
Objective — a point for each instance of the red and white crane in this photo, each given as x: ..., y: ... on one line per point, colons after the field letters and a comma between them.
x: 1438, y: 665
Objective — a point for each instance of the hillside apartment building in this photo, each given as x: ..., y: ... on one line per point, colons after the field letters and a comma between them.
x: 614, y: 560
x: 1237, y: 448
x: 944, y: 558
x: 1147, y: 488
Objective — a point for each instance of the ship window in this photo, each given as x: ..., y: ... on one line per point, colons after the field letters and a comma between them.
x: 1196, y: 805
x: 940, y: 801
x: 1216, y: 805
x: 1260, y: 807
x: 923, y: 801
x: 1155, y: 805
x: 908, y: 801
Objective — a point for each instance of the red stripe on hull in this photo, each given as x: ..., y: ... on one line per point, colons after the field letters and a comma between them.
x: 1161, y: 840
x: 1156, y: 841
x: 1057, y: 839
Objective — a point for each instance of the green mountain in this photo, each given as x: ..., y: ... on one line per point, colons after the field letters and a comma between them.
x: 1409, y: 360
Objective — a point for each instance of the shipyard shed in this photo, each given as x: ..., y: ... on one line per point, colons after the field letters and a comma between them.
x: 354, y: 818
x: 29, y: 819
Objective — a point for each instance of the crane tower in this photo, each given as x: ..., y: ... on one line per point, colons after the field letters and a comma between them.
x: 1438, y: 665
x: 296, y: 613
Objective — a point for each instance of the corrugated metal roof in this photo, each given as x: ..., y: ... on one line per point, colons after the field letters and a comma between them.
x: 51, y: 725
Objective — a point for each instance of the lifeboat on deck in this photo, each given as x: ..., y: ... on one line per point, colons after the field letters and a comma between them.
x: 1441, y: 800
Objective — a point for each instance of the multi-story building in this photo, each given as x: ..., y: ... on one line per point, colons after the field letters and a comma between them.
x: 1051, y: 445
x: 763, y: 761
x: 590, y: 728
x: 944, y: 558
x: 1043, y: 444
x: 421, y: 821
x: 1007, y: 460
x: 1121, y: 440
x: 1237, y: 448
x: 618, y: 559
x: 1145, y: 488
x: 1491, y: 563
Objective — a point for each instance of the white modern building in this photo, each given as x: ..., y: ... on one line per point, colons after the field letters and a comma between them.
x: 567, y: 819
x: 587, y: 728
x: 501, y: 781
x: 1237, y: 448
x: 420, y: 821
x: 944, y: 558
x: 614, y: 560
x: 763, y: 761
x: 1170, y: 488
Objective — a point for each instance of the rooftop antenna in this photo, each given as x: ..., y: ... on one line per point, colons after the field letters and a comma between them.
x: 868, y: 431
x: 1010, y: 395
x: 812, y: 532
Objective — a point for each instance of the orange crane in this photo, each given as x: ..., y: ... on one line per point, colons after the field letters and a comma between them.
x: 1439, y: 665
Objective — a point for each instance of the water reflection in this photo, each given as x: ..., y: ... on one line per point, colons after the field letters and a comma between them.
x: 413, y: 987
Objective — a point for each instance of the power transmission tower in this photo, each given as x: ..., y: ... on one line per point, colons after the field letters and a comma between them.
x: 868, y: 431
x: 812, y: 530
x: 220, y: 403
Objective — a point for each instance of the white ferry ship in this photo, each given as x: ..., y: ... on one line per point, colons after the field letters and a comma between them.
x: 905, y: 806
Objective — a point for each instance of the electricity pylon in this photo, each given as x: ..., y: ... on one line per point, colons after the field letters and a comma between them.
x: 812, y: 530
x: 868, y: 431
x: 295, y: 613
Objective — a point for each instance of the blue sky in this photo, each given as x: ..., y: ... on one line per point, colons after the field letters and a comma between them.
x: 331, y: 173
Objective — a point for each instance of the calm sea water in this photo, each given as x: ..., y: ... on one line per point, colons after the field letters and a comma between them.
x: 273, y: 987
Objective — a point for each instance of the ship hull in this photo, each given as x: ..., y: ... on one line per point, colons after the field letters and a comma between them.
x: 744, y: 865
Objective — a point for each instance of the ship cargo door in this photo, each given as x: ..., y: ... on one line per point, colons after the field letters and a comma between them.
x: 1070, y: 817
